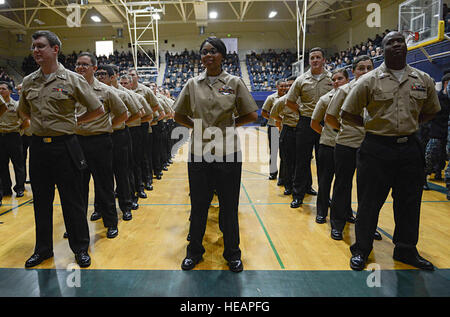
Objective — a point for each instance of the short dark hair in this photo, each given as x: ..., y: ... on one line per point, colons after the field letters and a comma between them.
x: 115, y: 68
x: 445, y: 78
x: 317, y: 49
x: 51, y: 37
x: 360, y: 59
x: 217, y: 43
x: 107, y: 68
x: 8, y: 84
x: 90, y: 55
x: 340, y: 70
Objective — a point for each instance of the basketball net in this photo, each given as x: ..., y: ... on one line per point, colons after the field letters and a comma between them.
x: 411, y: 37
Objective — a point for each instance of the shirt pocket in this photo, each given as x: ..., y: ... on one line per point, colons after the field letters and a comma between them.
x: 61, y: 102
x: 417, y: 99
x: 382, y: 104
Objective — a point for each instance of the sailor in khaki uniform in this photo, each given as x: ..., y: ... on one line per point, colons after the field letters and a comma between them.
x: 395, y: 99
x: 272, y: 130
x: 326, y: 144
x: 96, y: 142
x: 120, y: 138
x: 212, y: 99
x: 48, y: 99
x: 307, y: 88
x: 288, y: 119
x: 11, y: 127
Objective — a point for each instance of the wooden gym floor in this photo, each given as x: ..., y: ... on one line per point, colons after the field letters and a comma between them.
x: 285, y: 253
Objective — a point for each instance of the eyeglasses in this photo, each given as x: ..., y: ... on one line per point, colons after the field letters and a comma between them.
x: 83, y: 65
x: 211, y: 51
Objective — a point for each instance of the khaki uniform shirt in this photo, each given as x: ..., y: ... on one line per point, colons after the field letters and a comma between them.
x: 307, y: 89
x: 112, y: 105
x: 392, y: 107
x: 148, y: 94
x: 268, y: 104
x: 289, y: 117
x: 132, y: 107
x: 139, y: 101
x: 51, y: 102
x: 10, y: 120
x: 348, y: 135
x: 328, y: 135
x: 213, y: 105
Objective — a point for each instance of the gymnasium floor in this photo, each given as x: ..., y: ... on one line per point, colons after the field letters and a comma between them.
x: 285, y: 253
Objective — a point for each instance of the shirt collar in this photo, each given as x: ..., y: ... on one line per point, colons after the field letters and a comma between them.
x: 60, y: 73
x: 221, y: 77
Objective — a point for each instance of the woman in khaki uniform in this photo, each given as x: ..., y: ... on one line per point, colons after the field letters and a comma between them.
x: 207, y: 104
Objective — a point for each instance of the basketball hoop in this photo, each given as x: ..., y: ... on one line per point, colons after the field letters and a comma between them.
x: 411, y: 37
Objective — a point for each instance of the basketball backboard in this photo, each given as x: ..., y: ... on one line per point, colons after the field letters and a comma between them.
x: 421, y: 22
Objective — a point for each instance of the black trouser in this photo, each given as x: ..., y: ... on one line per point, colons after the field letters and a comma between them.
x: 51, y: 165
x: 202, y: 182
x: 131, y: 164
x: 149, y: 153
x: 273, y: 133
x: 138, y: 156
x: 341, y: 203
x: 156, y: 154
x: 146, y: 161
x: 98, y: 151
x: 11, y: 148
x: 26, y: 141
x: 282, y: 146
x: 164, y: 143
x: 306, y: 140
x: 386, y: 163
x: 288, y: 136
x: 325, y: 177
x: 121, y: 167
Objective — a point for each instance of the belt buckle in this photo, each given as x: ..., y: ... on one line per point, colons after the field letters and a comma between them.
x: 402, y: 140
x: 47, y: 140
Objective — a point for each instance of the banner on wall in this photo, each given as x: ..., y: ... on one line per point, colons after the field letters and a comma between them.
x: 231, y: 44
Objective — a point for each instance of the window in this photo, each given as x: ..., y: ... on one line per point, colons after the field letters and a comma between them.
x: 104, y: 48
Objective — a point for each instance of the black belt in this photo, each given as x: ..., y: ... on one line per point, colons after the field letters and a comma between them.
x: 8, y: 133
x: 289, y: 127
x: 303, y: 118
x: 95, y: 135
x: 52, y: 139
x: 401, y: 139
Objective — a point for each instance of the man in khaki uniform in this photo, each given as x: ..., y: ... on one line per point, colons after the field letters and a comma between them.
x: 307, y: 89
x: 395, y: 99
x: 120, y: 138
x: 272, y: 130
x: 48, y: 99
x: 96, y: 142
x: 11, y: 127
x: 288, y: 119
x: 136, y: 134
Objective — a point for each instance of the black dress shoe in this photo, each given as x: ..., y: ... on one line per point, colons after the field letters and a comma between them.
x: 357, y: 262
x: 96, y: 215
x: 127, y: 215
x: 351, y: 219
x: 112, y: 232
x: 134, y: 205
x: 27, y: 182
x: 189, y: 264
x: 280, y: 183
x: 37, y: 258
x: 287, y: 192
x: 236, y: 266
x: 142, y: 194
x: 83, y: 259
x: 148, y: 186
x: 413, y: 259
x: 377, y: 236
x: 19, y: 193
x: 188, y: 238
x: 336, y: 234
x: 65, y: 235
x: 165, y: 168
x: 296, y: 203
x: 311, y: 192
x: 272, y: 176
x: 321, y: 219
x: 159, y: 176
x: 426, y: 187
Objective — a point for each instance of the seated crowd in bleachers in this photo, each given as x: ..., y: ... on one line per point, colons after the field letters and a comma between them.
x: 5, y: 77
x: 182, y: 66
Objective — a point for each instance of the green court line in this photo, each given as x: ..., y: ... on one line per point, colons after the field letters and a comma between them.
x: 11, y: 209
x: 264, y: 228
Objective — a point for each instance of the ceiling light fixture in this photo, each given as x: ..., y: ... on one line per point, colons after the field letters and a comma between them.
x: 272, y: 14
x: 95, y: 18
